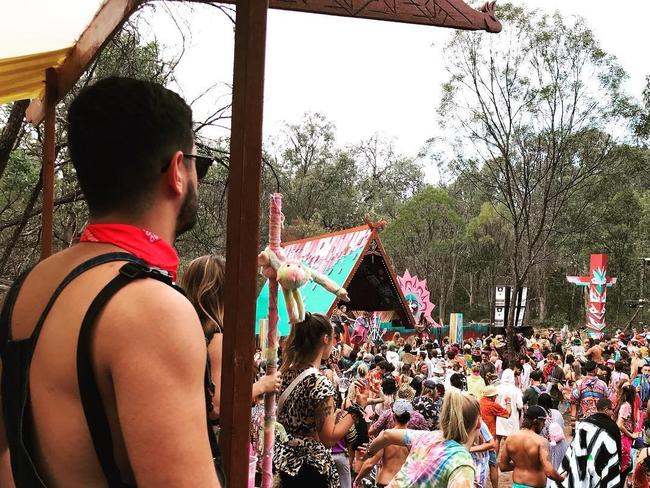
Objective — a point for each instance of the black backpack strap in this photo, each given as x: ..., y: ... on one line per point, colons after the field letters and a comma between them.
x: 7, y: 311
x: 91, y: 399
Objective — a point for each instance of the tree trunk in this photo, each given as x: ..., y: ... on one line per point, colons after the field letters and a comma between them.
x: 543, y: 294
x: 471, y: 289
x: 10, y: 132
x: 19, y: 229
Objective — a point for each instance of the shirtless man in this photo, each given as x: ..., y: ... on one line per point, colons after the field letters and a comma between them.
x: 131, y: 143
x: 595, y: 352
x: 526, y: 453
x: 392, y: 457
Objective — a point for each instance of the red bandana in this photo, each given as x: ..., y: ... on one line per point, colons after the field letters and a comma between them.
x: 144, y: 244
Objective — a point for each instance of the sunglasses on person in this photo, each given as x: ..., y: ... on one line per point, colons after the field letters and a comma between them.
x: 202, y: 164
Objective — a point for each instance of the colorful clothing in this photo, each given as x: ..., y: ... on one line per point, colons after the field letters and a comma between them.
x: 430, y: 410
x: 481, y: 459
x: 587, y: 392
x: 434, y: 463
x: 387, y: 421
x: 490, y: 410
x: 625, y: 414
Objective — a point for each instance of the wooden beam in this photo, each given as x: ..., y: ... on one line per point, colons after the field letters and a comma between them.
x: 107, y: 22
x: 242, y: 237
x: 454, y: 14
x: 47, y: 217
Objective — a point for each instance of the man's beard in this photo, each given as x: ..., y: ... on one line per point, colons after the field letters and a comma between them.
x: 189, y: 209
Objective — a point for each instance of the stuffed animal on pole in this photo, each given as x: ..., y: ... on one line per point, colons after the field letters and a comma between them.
x: 292, y: 275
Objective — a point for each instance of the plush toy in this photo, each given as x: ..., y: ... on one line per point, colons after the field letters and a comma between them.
x: 292, y: 275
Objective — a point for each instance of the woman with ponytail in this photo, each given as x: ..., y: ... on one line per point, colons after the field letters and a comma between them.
x: 438, y: 459
x: 306, y: 409
x: 203, y: 283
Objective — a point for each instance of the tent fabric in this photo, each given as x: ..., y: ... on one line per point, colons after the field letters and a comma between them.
x: 36, y: 35
x: 333, y: 255
x: 23, y: 77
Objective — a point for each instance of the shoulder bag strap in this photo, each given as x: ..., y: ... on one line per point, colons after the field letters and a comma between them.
x: 293, y: 385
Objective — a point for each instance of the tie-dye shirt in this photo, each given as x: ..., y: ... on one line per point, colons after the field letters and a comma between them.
x: 434, y: 463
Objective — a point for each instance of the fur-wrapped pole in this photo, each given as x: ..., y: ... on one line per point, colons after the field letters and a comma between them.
x: 271, y: 353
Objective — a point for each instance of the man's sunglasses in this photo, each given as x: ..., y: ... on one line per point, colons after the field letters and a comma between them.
x: 202, y: 164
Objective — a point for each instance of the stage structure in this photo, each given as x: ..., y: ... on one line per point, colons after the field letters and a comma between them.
x: 417, y: 295
x: 354, y: 259
x: 456, y: 328
x: 598, y: 282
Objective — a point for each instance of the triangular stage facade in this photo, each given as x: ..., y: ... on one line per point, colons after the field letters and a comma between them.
x: 353, y: 258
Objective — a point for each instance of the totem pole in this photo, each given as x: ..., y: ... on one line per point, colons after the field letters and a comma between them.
x: 598, y: 283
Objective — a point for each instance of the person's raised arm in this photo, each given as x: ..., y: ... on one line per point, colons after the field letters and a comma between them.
x: 153, y: 349
x: 505, y: 462
x: 390, y: 437
x: 547, y: 466
x: 329, y: 431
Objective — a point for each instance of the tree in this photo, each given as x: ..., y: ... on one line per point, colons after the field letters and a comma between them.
x: 427, y: 238
x: 530, y: 108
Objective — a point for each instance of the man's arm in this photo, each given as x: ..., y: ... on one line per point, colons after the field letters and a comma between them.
x: 367, y: 466
x: 394, y: 437
x: 547, y: 466
x: 153, y: 350
x: 505, y: 463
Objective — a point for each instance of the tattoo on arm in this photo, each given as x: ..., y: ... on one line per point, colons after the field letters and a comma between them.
x: 323, y: 410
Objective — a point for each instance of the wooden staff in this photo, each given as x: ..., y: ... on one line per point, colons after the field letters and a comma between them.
x: 275, y: 235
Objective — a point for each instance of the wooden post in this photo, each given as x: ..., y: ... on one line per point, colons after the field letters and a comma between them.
x: 242, y: 238
x: 47, y: 217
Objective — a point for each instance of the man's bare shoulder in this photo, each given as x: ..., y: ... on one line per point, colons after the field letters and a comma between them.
x: 149, y: 311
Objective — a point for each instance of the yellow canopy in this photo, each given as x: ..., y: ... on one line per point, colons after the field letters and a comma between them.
x: 36, y: 35
x: 24, y: 76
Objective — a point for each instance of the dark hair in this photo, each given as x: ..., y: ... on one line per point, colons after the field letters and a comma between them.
x: 353, y: 355
x: 569, y: 359
x: 619, y: 366
x: 603, y: 404
x: 121, y: 132
x: 402, y: 418
x: 536, y: 375
x: 305, y: 339
x: 407, y: 348
x: 389, y: 385
x: 545, y: 401
x: 456, y: 380
x: 385, y: 365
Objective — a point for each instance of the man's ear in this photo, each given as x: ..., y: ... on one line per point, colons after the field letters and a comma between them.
x: 175, y: 173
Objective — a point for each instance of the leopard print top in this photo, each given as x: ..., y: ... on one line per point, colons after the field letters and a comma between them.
x: 298, y: 416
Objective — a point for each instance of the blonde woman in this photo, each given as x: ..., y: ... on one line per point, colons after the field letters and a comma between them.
x: 203, y: 283
x: 438, y: 459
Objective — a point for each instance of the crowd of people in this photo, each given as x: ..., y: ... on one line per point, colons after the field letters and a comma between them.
x: 107, y: 386
x: 568, y: 410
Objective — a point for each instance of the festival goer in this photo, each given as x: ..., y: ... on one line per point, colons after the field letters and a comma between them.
x: 507, y: 390
x: 553, y: 430
x: 429, y: 404
x: 487, y: 368
x: 641, y: 476
x: 587, y: 392
x: 526, y: 453
x: 306, y: 408
x: 437, y: 459
x: 533, y: 392
x: 599, y: 436
x: 483, y: 445
x: 392, y: 457
x: 626, y: 419
x: 203, y: 282
x: 490, y: 410
x: 475, y: 382
x: 131, y: 144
